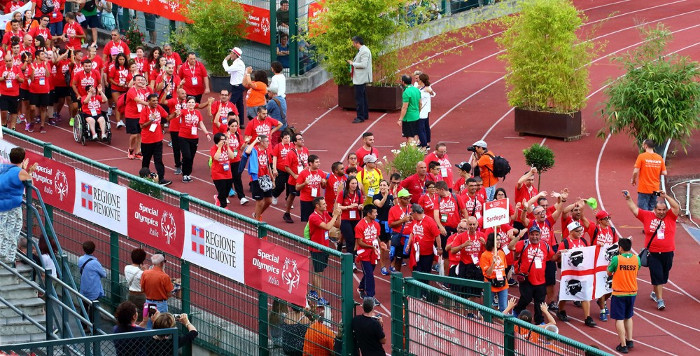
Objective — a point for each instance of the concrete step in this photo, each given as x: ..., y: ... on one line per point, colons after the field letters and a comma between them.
x: 19, y: 291
x: 20, y: 329
x: 8, y: 278
x: 32, y: 306
x: 17, y: 320
x: 21, y: 338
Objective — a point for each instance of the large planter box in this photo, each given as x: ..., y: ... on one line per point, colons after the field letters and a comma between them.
x: 378, y: 98
x: 540, y: 123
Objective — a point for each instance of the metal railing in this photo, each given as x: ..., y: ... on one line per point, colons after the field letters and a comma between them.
x: 427, y: 320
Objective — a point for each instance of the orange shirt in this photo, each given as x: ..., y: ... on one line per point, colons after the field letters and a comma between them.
x: 487, y: 174
x: 256, y: 94
x: 500, y: 265
x: 318, y: 340
x: 650, y: 166
x: 156, y: 284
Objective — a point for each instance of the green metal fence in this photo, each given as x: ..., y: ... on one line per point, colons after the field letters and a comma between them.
x: 231, y: 317
x: 426, y: 320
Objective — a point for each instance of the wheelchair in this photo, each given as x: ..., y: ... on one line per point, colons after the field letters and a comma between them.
x: 81, y: 131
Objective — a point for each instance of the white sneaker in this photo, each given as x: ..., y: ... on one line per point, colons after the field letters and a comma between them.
x: 274, y: 201
x: 109, y: 112
x: 120, y: 124
x: 244, y: 201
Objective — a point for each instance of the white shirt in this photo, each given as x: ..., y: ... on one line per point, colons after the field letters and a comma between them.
x: 48, y: 264
x: 425, y: 99
x: 133, y: 278
x: 236, y: 69
x: 279, y: 82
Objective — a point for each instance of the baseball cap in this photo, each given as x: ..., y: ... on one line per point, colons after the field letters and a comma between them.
x: 157, y: 258
x: 415, y: 208
x: 573, y: 226
x: 534, y: 228
x: 369, y: 159
x: 465, y: 166
x: 114, y: 51
x: 602, y: 215
x: 237, y: 51
x: 480, y: 143
x: 403, y: 193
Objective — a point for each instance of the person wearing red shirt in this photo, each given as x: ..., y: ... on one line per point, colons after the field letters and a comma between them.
x: 573, y: 241
x: 15, y: 32
x: 309, y: 183
x: 224, y: 106
x: 194, y: 77
x: 56, y: 17
x: 135, y: 102
x: 659, y: 239
x: 117, y: 43
x: 366, y: 234
x: 440, y: 156
x: 61, y: 90
x: 190, y: 119
x: 424, y: 234
x: 10, y: 79
x: 92, y: 111
x: 235, y: 144
x: 454, y: 258
x: 524, y: 190
x: 449, y: 210
x: 42, y: 30
x: 258, y: 155
x: 461, y: 183
x: 297, y: 160
x: 602, y: 234
x: 367, y: 148
x: 141, y: 62
x: 119, y: 79
x: 415, y: 184
x: 399, y: 220
x: 98, y: 63
x: 72, y: 33
x: 221, y: 157
x: 350, y: 202
x: 39, y: 88
x: 151, y: 123
x: 335, y: 182
x: 428, y: 201
x: 261, y: 125
x: 531, y: 255
x: 88, y: 76
x: 470, y: 246
x: 153, y: 66
x: 472, y: 202
x: 12, y: 6
x: 320, y: 222
x: 166, y: 83
x: 26, y: 114
x: 279, y: 163
x: 172, y: 57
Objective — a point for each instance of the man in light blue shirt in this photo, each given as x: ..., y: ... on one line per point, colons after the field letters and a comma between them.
x: 91, y: 273
x: 277, y: 109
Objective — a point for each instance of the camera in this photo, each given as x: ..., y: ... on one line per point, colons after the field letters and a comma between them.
x: 657, y: 193
x: 471, y: 149
x: 177, y: 317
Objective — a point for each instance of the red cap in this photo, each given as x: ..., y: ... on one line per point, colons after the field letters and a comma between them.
x: 602, y: 215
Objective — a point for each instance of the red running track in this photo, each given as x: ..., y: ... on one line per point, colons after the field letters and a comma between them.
x: 471, y: 105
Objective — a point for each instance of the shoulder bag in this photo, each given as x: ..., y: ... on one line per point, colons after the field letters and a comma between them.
x: 644, y: 253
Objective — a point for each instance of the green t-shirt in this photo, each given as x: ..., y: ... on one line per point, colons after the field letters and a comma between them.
x: 411, y: 95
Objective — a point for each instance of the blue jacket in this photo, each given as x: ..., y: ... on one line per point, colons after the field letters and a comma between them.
x: 252, y: 163
x: 11, y: 187
x: 90, y: 278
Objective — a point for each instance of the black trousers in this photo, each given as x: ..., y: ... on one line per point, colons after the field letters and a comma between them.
x: 361, y: 100
x: 237, y: 99
x: 528, y: 292
x: 154, y: 150
x: 237, y: 181
x: 223, y: 186
x: 177, y: 155
x: 188, y: 146
x: 280, y: 183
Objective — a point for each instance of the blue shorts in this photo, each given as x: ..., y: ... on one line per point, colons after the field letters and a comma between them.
x: 622, y: 307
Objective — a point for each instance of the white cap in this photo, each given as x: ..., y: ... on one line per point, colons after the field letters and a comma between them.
x: 480, y: 143
x: 237, y: 51
x: 573, y: 226
x: 157, y: 259
x: 369, y: 159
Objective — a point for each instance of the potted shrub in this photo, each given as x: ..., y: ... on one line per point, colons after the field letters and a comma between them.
x: 216, y: 27
x: 547, y: 68
x: 380, y: 23
x: 540, y: 157
x: 659, y: 96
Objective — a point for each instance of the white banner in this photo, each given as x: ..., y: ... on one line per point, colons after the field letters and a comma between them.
x: 214, y: 246
x: 603, y: 282
x: 101, y: 202
x: 5, y: 148
x: 4, y: 19
x: 577, y: 274
x: 496, y: 213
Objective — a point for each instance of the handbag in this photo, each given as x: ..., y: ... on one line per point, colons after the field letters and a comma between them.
x: 496, y: 283
x: 644, y: 253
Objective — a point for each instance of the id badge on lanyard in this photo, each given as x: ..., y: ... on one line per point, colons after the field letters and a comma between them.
x: 193, y: 132
x: 153, y: 127
x: 538, y: 263
x: 195, y: 81
x: 226, y: 167
x: 8, y: 83
x: 314, y: 192
x: 93, y: 112
x: 42, y: 81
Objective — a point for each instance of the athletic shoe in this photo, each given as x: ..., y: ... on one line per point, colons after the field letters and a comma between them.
x: 660, y: 305
x: 392, y: 269
x: 630, y: 344
x: 362, y: 293
x: 170, y: 144
x: 94, y: 137
x: 186, y: 179
x: 216, y: 200
x: 21, y: 119
x: 28, y: 127
x: 165, y: 182
x: 621, y: 349
x: 603, y: 316
x: 42, y: 129
x: 130, y: 155
x: 589, y: 322
x: 553, y: 306
x: 71, y: 122
x: 274, y: 201
x: 287, y: 217
x: 231, y: 192
x: 52, y: 121
x: 178, y: 171
x: 120, y: 124
x: 138, y: 155
x: 435, y: 267
x: 244, y: 201
x: 322, y: 302
x: 512, y: 282
x: 562, y: 315
x: 354, y: 267
x: 376, y: 302
x: 653, y: 297
x: 385, y: 272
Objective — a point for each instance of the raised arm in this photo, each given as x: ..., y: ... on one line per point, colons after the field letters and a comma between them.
x: 630, y: 203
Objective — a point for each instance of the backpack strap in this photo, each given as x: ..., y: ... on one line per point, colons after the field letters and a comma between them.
x: 82, y: 268
x: 284, y: 117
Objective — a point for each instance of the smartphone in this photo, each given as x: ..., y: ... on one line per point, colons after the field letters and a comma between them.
x: 626, y: 193
x: 177, y: 317
x: 152, y: 309
x: 657, y: 193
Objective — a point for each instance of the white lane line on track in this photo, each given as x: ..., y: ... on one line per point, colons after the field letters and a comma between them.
x: 636, y: 341
x: 318, y: 118
x: 667, y: 319
x: 671, y: 334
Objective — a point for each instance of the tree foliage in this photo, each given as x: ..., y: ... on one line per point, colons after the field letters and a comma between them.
x: 546, y: 61
x: 540, y: 157
x: 659, y: 96
x: 217, y: 25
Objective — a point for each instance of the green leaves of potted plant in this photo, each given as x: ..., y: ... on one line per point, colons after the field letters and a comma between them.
x: 659, y: 96
x: 547, y: 65
x: 540, y: 157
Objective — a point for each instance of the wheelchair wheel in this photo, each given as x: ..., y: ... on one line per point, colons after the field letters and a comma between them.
x: 78, y: 130
x: 109, y: 132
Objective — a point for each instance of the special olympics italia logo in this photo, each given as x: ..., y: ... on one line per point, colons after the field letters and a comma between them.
x: 290, y: 274
x: 168, y: 226
x: 60, y: 183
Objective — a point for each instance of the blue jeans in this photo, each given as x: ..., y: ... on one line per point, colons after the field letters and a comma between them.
x: 502, y: 299
x: 424, y: 131
x: 56, y: 28
x: 367, y: 281
x: 162, y: 307
x: 646, y: 201
x: 490, y: 192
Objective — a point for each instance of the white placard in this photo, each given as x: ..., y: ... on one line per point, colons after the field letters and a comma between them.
x: 496, y: 213
x: 101, y: 202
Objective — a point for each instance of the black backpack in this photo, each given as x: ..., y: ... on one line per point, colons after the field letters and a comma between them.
x: 501, y: 167
x: 47, y: 7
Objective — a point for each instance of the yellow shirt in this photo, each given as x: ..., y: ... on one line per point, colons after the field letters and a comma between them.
x: 370, y: 183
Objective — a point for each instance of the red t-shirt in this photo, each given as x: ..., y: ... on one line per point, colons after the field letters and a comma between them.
x: 58, y: 73
x: 41, y: 78
x: 133, y: 109
x: 173, y: 58
x: 38, y: 31
x: 57, y: 14
x: 449, y: 210
x: 540, y: 251
x: 503, y: 239
x: 318, y: 234
x: 565, y: 223
x: 25, y: 84
x: 220, y: 168
x: 280, y: 151
x: 473, y: 204
x: 665, y: 240
x: 297, y: 160
x: 121, y: 46
x: 526, y: 193
x: 258, y: 127
x: 353, y: 198
x: 397, y: 213
x: 226, y: 106
x: 263, y: 162
x: 97, y: 64
x: 424, y: 233
x: 235, y: 140
x: 141, y: 64
x: 153, y: 133
x: 71, y: 30
x: 194, y: 78
x: 334, y: 186
x: 313, y: 189
x: 95, y: 104
x: 428, y: 203
x: 453, y: 258
x: 368, y: 232
x: 470, y: 254
x: 10, y: 86
x: 189, y: 121
x: 6, y: 39
x: 546, y: 229
x: 604, y: 236
x: 445, y: 167
x: 82, y: 80
x: 362, y: 152
x: 572, y: 243
x: 415, y: 186
x: 122, y: 77
x: 173, y: 105
x: 174, y: 81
